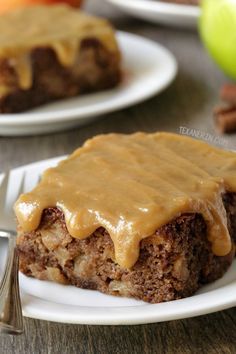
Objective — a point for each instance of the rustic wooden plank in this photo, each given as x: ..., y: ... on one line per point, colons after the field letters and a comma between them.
x: 215, y: 333
x: 188, y: 102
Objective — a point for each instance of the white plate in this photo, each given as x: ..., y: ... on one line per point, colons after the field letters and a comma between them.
x: 148, y: 69
x: 55, y: 302
x: 160, y: 12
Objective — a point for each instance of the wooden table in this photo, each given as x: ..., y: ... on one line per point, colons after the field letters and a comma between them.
x: 188, y: 102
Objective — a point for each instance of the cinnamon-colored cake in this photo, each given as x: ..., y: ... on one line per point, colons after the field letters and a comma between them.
x: 53, y: 52
x: 149, y: 216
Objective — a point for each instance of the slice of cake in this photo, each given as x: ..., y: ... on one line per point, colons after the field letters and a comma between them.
x: 54, y: 52
x: 150, y: 216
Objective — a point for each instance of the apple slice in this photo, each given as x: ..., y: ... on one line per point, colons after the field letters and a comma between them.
x: 217, y: 28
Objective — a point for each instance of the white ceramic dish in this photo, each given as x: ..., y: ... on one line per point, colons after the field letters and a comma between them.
x: 160, y: 12
x: 148, y: 69
x: 54, y: 302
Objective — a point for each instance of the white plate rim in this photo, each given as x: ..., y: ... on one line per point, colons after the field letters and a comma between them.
x: 24, y: 119
x: 159, y: 7
x: 150, y: 313
x: 198, y: 304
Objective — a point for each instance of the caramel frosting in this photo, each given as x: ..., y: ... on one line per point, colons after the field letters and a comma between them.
x: 58, y: 27
x: 132, y: 185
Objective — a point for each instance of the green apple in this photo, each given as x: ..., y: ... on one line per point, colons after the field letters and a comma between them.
x: 217, y: 28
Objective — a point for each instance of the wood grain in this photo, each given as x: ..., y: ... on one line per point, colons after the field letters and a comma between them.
x: 188, y: 102
x: 215, y: 333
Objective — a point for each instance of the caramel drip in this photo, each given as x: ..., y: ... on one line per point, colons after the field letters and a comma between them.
x: 132, y: 185
x: 23, y: 69
x: 58, y: 27
x: 4, y: 90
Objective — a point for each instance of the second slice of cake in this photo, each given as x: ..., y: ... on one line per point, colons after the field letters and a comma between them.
x: 54, y: 52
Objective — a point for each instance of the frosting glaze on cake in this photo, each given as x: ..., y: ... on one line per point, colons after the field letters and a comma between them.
x: 132, y: 185
x: 58, y: 27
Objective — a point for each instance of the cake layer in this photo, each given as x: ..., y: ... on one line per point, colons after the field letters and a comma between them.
x: 173, y: 263
x: 229, y: 200
x: 96, y: 69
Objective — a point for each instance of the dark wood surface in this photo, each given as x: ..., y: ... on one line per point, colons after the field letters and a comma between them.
x: 187, y: 102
